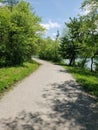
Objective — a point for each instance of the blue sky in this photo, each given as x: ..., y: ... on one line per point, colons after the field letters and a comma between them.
x: 55, y: 12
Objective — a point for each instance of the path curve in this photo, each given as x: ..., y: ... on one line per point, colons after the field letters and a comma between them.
x: 49, y: 99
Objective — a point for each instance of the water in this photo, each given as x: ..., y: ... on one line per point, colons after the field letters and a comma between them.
x: 88, y: 63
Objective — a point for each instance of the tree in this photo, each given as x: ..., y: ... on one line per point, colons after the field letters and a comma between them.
x: 57, y: 35
x: 91, y: 38
x: 81, y: 38
x: 4, y: 27
x: 71, y: 41
x: 22, y: 33
x: 91, y: 28
x: 91, y: 6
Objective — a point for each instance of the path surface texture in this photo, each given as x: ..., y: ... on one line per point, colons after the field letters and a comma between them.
x: 49, y: 99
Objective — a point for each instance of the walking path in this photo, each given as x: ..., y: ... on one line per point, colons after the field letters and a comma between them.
x: 49, y: 99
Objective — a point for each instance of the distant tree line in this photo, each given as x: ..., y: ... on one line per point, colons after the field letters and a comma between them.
x: 49, y: 50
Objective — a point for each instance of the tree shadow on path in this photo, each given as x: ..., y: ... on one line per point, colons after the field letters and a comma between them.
x: 68, y: 108
x: 77, y: 106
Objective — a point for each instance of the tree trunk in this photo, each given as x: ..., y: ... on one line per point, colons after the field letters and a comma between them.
x: 72, y: 60
x: 92, y: 61
x: 70, y: 63
x: 84, y: 61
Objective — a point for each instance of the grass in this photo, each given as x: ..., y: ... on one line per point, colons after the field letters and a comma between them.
x: 10, y: 75
x: 88, y: 80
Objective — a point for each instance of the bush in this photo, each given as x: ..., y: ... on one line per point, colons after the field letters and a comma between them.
x: 49, y: 50
x: 18, y: 34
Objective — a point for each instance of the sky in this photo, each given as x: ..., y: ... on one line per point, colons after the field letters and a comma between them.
x: 54, y: 13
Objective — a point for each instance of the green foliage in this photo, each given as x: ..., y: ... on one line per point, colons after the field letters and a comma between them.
x: 49, y: 50
x: 71, y: 41
x: 4, y: 27
x: 90, y: 29
x: 90, y: 37
x: 9, y: 3
x: 10, y: 75
x: 19, y: 34
x: 88, y: 80
x: 92, y: 5
x: 80, y: 40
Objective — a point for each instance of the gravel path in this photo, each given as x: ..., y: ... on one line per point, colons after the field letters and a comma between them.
x: 49, y: 99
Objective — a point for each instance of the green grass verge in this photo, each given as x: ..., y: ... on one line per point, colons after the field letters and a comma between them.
x: 10, y: 75
x: 88, y: 80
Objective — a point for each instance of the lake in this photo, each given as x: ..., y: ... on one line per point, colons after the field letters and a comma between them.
x: 88, y: 63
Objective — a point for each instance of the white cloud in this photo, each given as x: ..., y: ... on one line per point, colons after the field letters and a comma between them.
x: 53, y: 36
x: 50, y: 25
x: 1, y: 4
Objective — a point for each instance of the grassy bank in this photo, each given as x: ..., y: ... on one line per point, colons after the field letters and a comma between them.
x: 10, y: 75
x: 87, y: 79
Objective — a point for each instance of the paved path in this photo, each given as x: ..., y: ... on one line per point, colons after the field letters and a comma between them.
x: 49, y: 99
